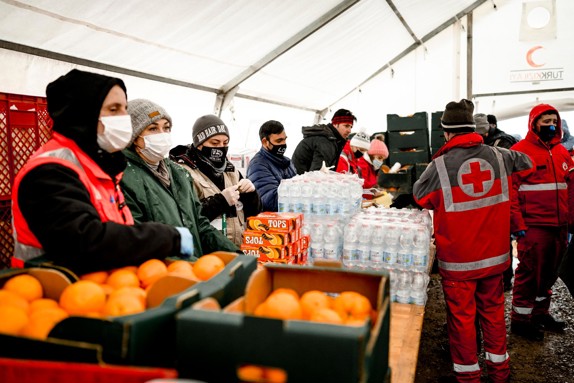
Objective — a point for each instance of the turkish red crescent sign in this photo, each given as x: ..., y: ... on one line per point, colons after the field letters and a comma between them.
x: 529, y: 55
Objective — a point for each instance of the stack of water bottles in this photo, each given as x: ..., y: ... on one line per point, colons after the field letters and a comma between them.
x: 328, y: 201
x: 394, y: 240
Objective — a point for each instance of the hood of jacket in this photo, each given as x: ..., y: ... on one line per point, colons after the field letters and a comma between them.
x: 74, y: 104
x: 536, y: 112
x: 567, y: 138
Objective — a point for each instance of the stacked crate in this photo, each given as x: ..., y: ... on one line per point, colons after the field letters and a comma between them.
x: 408, y: 138
x: 408, y: 143
x: 24, y: 127
x: 437, y: 133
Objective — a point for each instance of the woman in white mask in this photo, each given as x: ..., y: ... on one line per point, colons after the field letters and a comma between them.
x: 372, y: 161
x: 157, y: 189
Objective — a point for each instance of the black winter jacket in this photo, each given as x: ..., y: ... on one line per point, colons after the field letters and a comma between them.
x: 320, y: 143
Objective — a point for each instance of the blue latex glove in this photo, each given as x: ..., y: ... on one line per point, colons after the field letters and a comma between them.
x: 186, y: 242
x: 518, y: 234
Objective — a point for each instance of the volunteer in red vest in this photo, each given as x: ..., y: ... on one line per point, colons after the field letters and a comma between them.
x: 371, y: 163
x: 542, y: 225
x: 354, y: 149
x: 469, y: 187
x: 67, y: 206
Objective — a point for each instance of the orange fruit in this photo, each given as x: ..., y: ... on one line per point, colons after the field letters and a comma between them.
x: 250, y: 373
x: 133, y: 269
x: 350, y: 304
x: 313, y: 300
x: 282, y: 305
x: 181, y: 268
x: 13, y: 319
x: 137, y: 292
x: 325, y: 315
x: 275, y: 375
x: 207, y: 266
x: 25, y: 285
x: 97, y: 276
x: 42, y: 303
x: 122, y: 278
x: 150, y: 271
x: 285, y: 290
x: 123, y: 304
x: 107, y: 288
x: 8, y: 298
x: 42, y: 321
x: 83, y: 297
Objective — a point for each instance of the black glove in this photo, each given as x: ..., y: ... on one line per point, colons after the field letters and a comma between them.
x: 404, y: 200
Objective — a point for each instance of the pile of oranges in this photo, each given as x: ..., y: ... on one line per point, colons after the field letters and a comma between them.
x: 347, y: 308
x: 25, y: 311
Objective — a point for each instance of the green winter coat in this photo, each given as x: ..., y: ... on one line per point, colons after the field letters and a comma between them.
x: 149, y: 200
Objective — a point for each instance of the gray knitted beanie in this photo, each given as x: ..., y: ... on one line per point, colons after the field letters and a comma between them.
x: 143, y: 113
x: 208, y: 126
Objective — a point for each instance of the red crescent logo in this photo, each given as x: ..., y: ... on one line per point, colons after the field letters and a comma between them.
x: 529, y: 56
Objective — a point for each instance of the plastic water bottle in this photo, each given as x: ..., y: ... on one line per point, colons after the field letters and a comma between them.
x: 295, y: 204
x: 350, y: 246
x: 418, y: 293
x: 377, y: 247
x: 391, y: 241
x: 421, y: 243
x: 394, y: 283
x: 306, y: 198
x: 405, y: 254
x: 364, y: 248
x: 283, y: 195
x: 345, y: 202
x: 318, y: 199
x: 404, y: 286
x: 331, y: 239
x: 317, y: 249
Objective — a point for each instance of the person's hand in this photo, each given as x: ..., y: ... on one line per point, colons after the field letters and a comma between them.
x: 231, y: 195
x: 403, y: 200
x: 245, y: 186
x: 518, y: 234
x: 186, y: 249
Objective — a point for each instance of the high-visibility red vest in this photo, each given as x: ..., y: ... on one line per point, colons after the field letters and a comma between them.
x: 105, y: 194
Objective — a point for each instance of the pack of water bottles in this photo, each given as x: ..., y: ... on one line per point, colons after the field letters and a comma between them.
x: 395, y: 240
x: 318, y: 194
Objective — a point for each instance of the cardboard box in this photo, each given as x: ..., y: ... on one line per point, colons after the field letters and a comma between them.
x: 144, y: 339
x: 213, y: 343
x: 275, y: 222
x: 262, y: 238
x: 417, y: 121
x: 271, y: 253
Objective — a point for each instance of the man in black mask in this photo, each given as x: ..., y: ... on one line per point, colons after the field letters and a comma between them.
x: 226, y: 197
x: 270, y: 165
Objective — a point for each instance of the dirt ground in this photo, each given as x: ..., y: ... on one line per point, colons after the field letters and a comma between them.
x: 550, y: 361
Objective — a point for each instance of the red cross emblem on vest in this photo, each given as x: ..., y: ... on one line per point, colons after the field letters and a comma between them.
x: 475, y: 177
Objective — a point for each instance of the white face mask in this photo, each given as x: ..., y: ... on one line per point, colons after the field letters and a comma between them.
x: 156, y: 147
x: 377, y: 164
x: 117, y: 133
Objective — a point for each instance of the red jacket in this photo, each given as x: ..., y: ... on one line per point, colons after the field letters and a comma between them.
x: 347, y: 161
x: 543, y: 194
x: 368, y: 172
x: 104, y: 194
x: 468, y: 185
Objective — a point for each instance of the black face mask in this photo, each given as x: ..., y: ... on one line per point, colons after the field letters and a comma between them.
x: 358, y: 154
x: 547, y: 132
x: 215, y: 155
x: 278, y: 150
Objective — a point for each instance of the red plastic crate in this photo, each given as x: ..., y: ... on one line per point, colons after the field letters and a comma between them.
x: 39, y: 371
x: 24, y: 127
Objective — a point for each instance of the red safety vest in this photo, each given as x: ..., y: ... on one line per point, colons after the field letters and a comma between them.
x: 105, y: 194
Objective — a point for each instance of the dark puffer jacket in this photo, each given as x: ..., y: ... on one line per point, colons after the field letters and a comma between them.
x: 266, y: 171
x: 320, y: 143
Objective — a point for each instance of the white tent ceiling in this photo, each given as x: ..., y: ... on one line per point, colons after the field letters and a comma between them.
x: 374, y: 57
x: 307, y: 54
